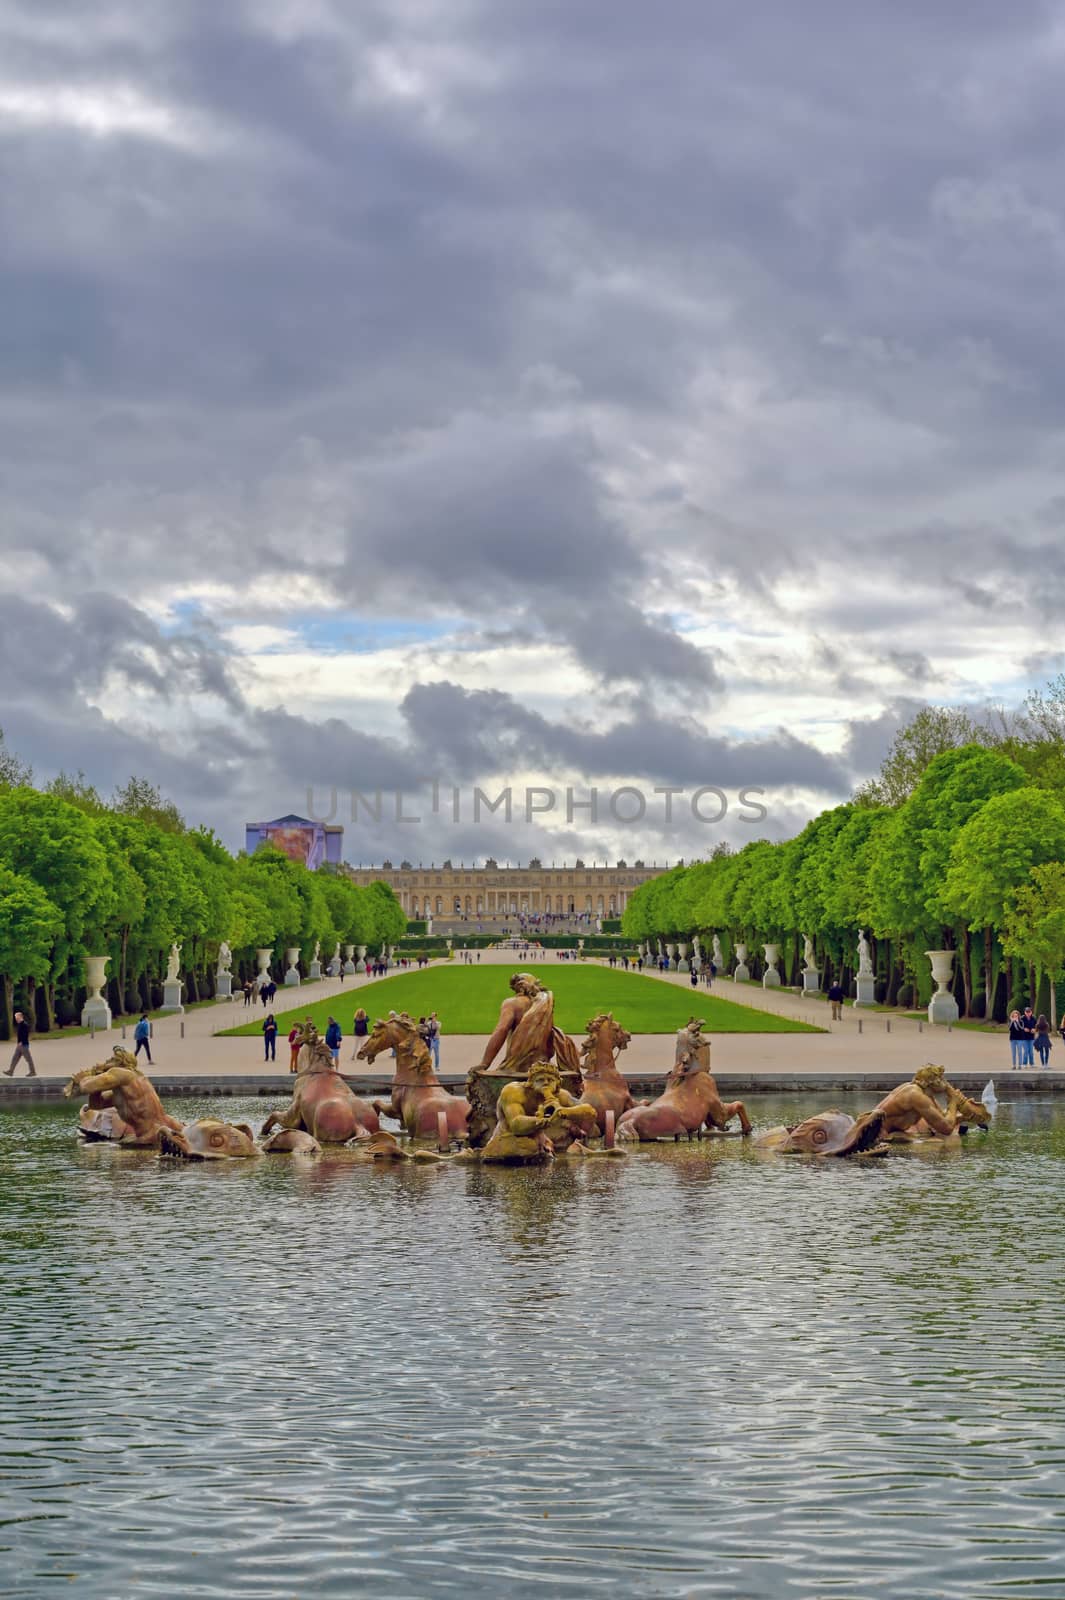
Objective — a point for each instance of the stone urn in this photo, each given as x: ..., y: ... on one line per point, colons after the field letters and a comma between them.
x: 96, y: 1013
x: 742, y: 973
x: 771, y: 977
x: 349, y: 951
x: 682, y: 956
x: 263, y: 957
x: 942, y: 1007
x: 292, y: 971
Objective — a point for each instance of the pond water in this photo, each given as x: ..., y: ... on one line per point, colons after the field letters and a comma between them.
x: 694, y: 1372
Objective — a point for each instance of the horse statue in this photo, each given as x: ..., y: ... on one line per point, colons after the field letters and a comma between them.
x: 604, y: 1086
x: 419, y: 1100
x: 323, y: 1105
x: 690, y: 1098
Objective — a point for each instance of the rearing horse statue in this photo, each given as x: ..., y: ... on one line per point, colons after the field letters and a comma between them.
x: 604, y: 1086
x: 419, y: 1099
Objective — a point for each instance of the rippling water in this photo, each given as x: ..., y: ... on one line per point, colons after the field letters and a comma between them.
x: 695, y: 1372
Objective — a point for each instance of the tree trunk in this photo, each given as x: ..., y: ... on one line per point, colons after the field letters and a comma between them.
x: 122, y: 972
x: 966, y: 972
x: 989, y: 974
x: 9, y: 1004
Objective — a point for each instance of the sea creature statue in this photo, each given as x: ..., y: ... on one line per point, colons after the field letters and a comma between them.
x: 827, y: 1133
x: 604, y: 1086
x: 209, y: 1140
x: 122, y: 1103
x: 908, y: 1113
x: 419, y: 1100
x: 322, y: 1103
x: 538, y: 1119
x: 690, y: 1098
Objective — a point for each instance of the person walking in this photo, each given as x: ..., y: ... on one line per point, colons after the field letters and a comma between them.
x: 1043, y: 1040
x: 22, y: 1047
x: 360, y: 1027
x: 249, y: 990
x: 434, y: 1038
x: 294, y: 1047
x: 333, y: 1036
x: 142, y: 1038
x: 835, y: 1000
x: 269, y: 1037
x: 1017, y: 1037
x: 1028, y: 1024
x: 693, y: 976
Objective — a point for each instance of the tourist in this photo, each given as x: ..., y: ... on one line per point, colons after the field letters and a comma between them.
x: 294, y: 1047
x: 249, y: 991
x: 423, y: 1029
x: 1042, y: 1040
x: 694, y: 975
x: 269, y: 1037
x: 22, y: 1047
x: 1017, y: 1040
x: 434, y: 1038
x: 835, y: 1000
x: 1028, y: 1024
x: 333, y: 1036
x: 142, y: 1037
x: 360, y: 1027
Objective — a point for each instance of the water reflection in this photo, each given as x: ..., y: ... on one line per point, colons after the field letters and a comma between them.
x: 692, y: 1372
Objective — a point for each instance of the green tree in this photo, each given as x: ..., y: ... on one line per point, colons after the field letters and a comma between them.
x: 934, y: 730
x: 29, y: 927
x: 1035, y: 925
x: 993, y: 856
x: 55, y: 844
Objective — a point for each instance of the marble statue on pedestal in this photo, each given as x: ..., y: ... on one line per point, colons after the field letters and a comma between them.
x: 865, y: 982
x: 172, y: 985
x: 223, y: 978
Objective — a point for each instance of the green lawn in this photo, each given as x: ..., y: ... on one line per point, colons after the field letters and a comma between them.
x: 467, y: 1000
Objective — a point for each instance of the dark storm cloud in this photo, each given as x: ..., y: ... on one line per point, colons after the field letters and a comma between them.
x: 488, y: 731
x: 528, y: 316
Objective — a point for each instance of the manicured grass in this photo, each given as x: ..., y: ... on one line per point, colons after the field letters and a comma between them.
x: 467, y: 1000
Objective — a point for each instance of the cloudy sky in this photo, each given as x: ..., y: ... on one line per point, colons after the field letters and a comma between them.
x: 564, y: 393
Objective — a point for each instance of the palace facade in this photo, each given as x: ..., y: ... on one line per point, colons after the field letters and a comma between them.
x: 493, y: 893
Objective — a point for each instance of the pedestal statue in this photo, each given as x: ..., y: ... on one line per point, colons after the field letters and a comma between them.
x: 223, y: 978
x: 172, y: 985
x: 865, y: 981
x: 336, y: 964
x: 315, y: 971
x: 942, y: 1007
x: 96, y: 1013
x: 717, y: 958
x: 810, y: 980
